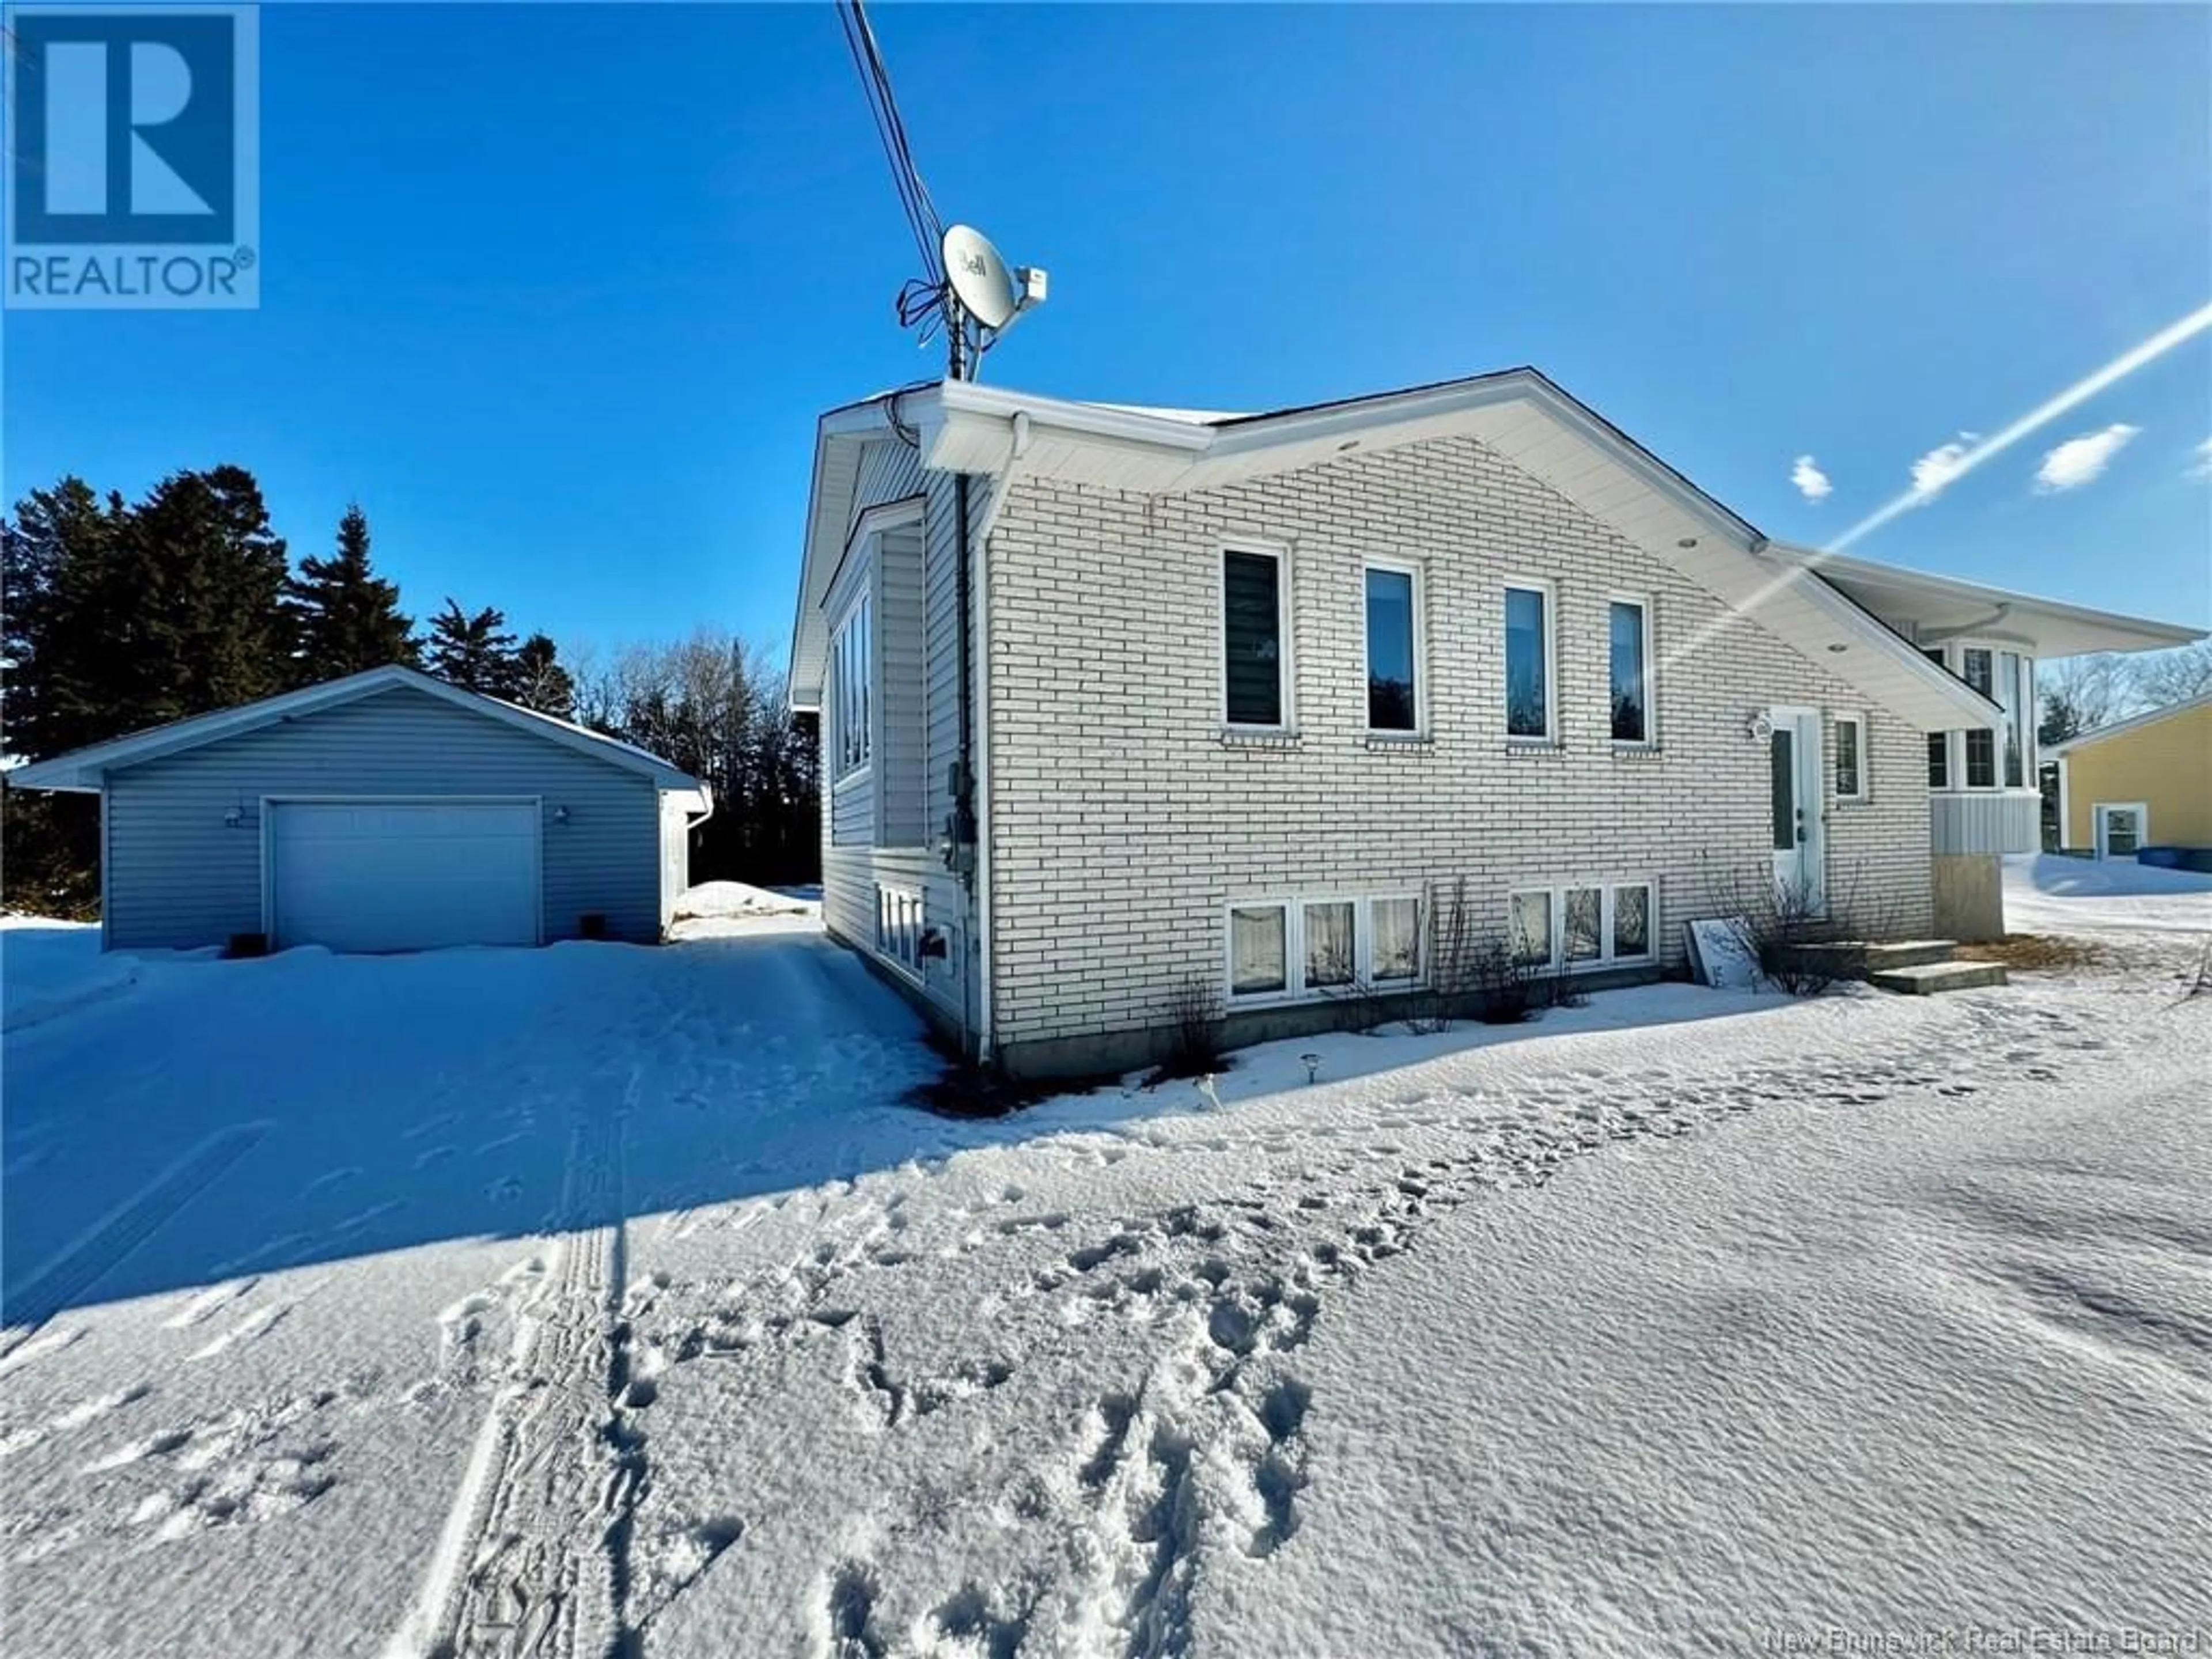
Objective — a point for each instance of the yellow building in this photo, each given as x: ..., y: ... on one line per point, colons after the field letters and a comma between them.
x: 2142, y: 782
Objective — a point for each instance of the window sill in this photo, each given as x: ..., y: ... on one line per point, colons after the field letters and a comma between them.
x: 1398, y: 740
x: 1623, y: 750
x: 858, y: 775
x: 1534, y: 746
x: 1259, y: 737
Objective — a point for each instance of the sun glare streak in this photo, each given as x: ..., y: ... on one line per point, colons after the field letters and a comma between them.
x: 2036, y: 418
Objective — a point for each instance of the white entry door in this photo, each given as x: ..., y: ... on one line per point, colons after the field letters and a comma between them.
x: 402, y: 875
x: 1800, y: 856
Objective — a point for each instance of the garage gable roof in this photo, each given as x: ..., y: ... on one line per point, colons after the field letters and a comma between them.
x: 86, y: 770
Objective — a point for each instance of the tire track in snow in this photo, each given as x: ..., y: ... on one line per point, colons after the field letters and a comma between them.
x: 530, y: 1565
x: 109, y: 1242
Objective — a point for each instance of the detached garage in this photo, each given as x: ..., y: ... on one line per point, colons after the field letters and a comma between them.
x: 384, y: 812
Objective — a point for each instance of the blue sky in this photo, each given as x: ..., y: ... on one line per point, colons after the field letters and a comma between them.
x: 556, y: 291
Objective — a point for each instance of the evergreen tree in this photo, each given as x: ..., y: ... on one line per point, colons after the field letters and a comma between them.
x: 540, y: 682
x: 475, y: 652
x: 204, y: 628
x: 61, y: 559
x: 342, y: 616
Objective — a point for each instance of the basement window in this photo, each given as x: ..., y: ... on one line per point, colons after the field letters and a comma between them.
x: 1300, y: 949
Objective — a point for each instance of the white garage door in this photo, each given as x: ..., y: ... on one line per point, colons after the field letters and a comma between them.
x: 402, y: 875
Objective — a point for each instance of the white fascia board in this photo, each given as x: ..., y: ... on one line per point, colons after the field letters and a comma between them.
x: 827, y: 511
x: 1948, y: 692
x: 2023, y: 611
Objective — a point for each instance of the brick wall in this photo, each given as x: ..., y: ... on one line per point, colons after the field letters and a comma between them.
x: 1123, y: 821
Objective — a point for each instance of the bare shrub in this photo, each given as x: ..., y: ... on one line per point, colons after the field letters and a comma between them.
x: 1194, y: 1017
x: 1774, y: 922
x: 1450, y: 949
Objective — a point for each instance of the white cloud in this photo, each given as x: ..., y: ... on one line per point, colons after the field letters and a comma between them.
x: 2083, y: 459
x: 1939, y: 466
x: 1812, y: 483
x: 2203, y: 467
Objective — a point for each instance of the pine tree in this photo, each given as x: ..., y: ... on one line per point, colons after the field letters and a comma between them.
x: 475, y: 652
x: 540, y: 682
x: 342, y: 616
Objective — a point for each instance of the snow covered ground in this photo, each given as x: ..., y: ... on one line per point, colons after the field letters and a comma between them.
x: 603, y: 1299
x: 2047, y: 894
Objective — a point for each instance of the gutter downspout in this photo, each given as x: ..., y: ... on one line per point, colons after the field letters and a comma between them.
x: 975, y: 553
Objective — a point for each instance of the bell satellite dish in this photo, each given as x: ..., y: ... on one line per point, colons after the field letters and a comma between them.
x: 980, y: 279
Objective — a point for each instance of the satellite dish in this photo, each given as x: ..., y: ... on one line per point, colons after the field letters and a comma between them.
x: 979, y: 278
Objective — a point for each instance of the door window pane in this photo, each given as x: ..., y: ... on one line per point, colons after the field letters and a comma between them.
x: 1258, y: 959
x: 1631, y: 722
x: 1532, y: 927
x: 1847, y: 758
x: 1631, y: 922
x: 1782, y: 758
x: 1396, y: 944
x: 1252, y: 641
x: 1585, y: 935
x: 1527, y: 695
x: 1392, y: 705
x: 1328, y: 945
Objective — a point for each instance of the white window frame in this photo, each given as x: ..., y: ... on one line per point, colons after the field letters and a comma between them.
x: 1857, y: 721
x: 1608, y: 887
x: 2097, y: 811
x: 1286, y: 644
x: 1549, y: 590
x: 2027, y: 713
x: 1295, y: 988
x: 851, y: 672
x: 1420, y: 728
x: 1650, y: 737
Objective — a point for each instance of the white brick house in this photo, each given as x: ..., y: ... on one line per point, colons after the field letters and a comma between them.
x: 1147, y: 726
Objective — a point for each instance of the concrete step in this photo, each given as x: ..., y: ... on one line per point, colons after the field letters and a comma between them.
x: 1909, y: 953
x: 1858, y: 958
x: 1925, y: 979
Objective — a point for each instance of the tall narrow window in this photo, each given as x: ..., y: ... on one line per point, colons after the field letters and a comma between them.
x: 1979, y: 671
x: 1939, y: 742
x: 1252, y: 637
x: 1631, y: 673
x: 1392, y: 698
x: 2008, y: 699
x: 850, y: 674
x: 1527, y: 665
x: 1850, y: 758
